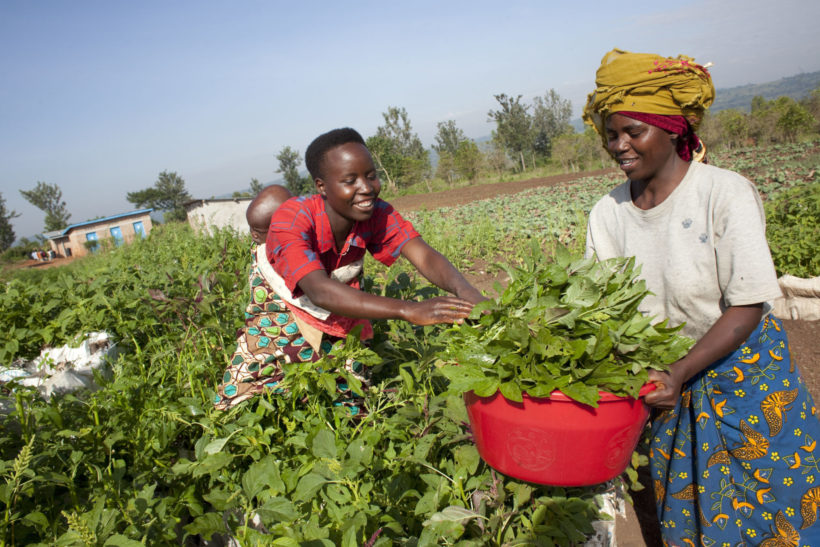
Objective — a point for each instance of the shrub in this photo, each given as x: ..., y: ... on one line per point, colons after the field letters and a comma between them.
x: 793, y: 230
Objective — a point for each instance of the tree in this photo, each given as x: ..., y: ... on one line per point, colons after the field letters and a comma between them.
x: 781, y: 119
x: 794, y: 119
x: 513, y: 126
x: 448, y: 140
x: 386, y: 160
x: 567, y: 150
x: 598, y: 155
x: 22, y: 250
x: 468, y: 160
x: 577, y: 151
x: 761, y: 121
x: 812, y: 103
x: 49, y: 198
x: 289, y: 161
x: 734, y: 127
x: 254, y: 189
x: 446, y: 167
x: 448, y: 137
x: 550, y: 119
x: 496, y: 157
x: 168, y: 193
x: 7, y: 236
x: 398, y: 151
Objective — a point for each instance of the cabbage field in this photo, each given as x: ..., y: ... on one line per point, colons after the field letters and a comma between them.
x: 145, y: 460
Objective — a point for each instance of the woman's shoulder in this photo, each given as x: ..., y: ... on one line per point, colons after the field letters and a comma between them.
x: 291, y: 208
x: 383, y: 206
x: 720, y: 179
x: 614, y: 198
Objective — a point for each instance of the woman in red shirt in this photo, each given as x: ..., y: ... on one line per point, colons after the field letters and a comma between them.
x: 316, y: 245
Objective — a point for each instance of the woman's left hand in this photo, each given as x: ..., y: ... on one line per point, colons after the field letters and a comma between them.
x: 668, y: 388
x: 471, y: 294
x: 441, y: 309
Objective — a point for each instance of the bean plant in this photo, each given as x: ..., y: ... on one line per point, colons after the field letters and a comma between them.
x: 145, y: 459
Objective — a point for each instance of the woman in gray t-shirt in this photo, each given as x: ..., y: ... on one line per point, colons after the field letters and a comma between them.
x: 733, y: 451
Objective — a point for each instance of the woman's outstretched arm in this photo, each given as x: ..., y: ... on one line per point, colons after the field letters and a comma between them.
x: 439, y: 271
x: 342, y: 299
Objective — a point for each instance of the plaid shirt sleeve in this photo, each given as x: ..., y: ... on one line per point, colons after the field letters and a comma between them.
x: 389, y: 233
x: 291, y: 242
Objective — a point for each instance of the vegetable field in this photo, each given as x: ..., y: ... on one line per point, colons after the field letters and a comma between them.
x: 146, y: 460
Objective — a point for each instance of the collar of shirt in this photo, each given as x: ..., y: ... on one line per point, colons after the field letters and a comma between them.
x: 324, y: 233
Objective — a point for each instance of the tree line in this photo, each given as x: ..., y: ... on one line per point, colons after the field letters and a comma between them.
x: 521, y: 140
x: 780, y: 120
x: 527, y: 136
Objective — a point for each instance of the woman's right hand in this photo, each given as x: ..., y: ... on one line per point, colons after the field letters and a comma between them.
x: 441, y: 309
x: 668, y: 386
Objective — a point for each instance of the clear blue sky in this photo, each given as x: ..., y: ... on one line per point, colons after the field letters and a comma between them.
x: 100, y: 97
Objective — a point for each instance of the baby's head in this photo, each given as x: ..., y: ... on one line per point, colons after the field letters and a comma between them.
x: 261, y: 209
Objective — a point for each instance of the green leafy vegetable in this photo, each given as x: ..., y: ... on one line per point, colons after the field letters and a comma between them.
x: 570, y: 325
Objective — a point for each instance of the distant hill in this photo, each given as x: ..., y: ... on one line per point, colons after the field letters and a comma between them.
x: 740, y: 97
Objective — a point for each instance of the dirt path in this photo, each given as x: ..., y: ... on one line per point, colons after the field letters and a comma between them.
x: 460, y: 196
x: 53, y: 263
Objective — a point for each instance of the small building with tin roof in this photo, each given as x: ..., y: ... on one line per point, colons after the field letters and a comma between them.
x: 86, y: 237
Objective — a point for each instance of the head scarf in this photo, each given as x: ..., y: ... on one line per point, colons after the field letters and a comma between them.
x: 646, y: 83
x: 689, y: 145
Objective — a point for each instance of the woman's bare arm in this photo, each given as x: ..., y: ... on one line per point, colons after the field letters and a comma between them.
x: 725, y: 336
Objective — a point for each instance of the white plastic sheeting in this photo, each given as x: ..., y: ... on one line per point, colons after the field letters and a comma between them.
x: 612, y: 503
x: 66, y: 368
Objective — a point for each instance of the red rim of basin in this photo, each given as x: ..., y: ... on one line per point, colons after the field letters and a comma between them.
x: 605, y: 395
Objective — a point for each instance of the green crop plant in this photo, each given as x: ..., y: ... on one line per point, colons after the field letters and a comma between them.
x: 793, y: 230
x: 146, y: 460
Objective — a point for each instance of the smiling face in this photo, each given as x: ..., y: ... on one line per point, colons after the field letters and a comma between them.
x: 349, y: 184
x: 642, y: 150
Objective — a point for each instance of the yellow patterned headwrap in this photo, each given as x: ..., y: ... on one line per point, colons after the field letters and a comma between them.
x: 649, y: 83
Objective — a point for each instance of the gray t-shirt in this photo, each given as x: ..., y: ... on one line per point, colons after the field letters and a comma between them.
x: 701, y: 250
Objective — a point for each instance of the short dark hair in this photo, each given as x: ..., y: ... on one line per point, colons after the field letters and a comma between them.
x: 315, y: 153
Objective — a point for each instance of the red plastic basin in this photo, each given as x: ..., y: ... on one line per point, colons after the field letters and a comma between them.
x: 556, y: 440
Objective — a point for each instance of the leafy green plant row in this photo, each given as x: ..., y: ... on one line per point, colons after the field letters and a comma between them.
x: 146, y: 460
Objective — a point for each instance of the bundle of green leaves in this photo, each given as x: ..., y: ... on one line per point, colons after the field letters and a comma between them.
x: 572, y: 325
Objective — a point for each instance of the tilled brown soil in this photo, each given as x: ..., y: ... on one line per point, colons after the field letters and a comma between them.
x: 460, y: 196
